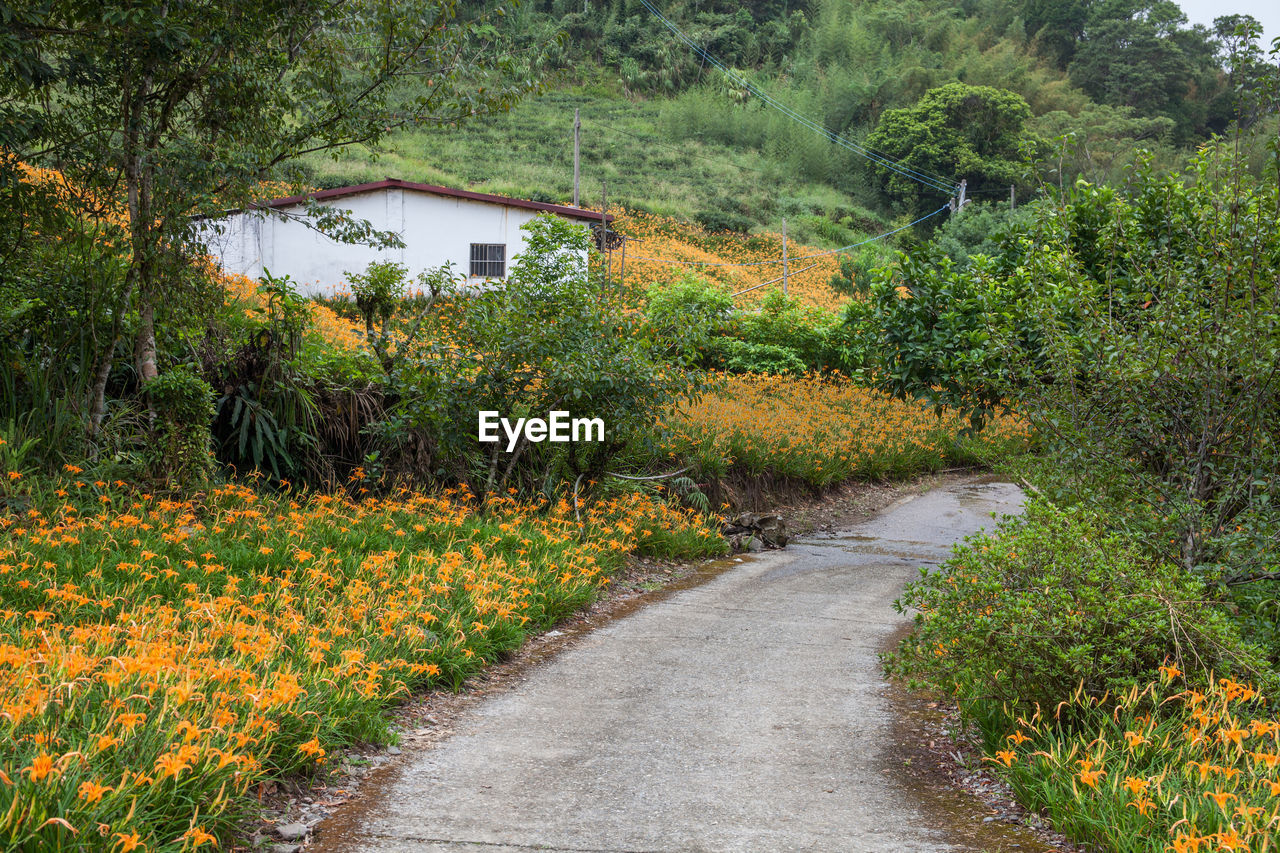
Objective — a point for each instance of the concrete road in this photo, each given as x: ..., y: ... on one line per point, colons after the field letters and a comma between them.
x: 746, y: 714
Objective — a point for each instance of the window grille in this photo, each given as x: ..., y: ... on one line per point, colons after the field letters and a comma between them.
x: 488, y: 260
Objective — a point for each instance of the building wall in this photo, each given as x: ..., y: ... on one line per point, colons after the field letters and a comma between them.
x: 435, y: 229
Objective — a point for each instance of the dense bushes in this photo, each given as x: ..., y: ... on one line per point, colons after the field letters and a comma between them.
x: 550, y: 339
x: 1057, y: 602
x: 779, y: 335
x: 723, y: 220
x: 183, y: 404
x: 622, y: 34
x: 739, y: 356
x: 1140, y: 332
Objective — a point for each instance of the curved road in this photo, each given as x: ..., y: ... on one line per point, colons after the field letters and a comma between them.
x: 745, y: 714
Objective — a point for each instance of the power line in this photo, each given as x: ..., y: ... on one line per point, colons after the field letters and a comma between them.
x: 873, y: 239
x: 800, y: 257
x: 908, y: 172
x: 772, y: 281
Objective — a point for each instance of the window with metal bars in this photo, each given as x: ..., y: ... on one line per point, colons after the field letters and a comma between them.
x: 488, y: 260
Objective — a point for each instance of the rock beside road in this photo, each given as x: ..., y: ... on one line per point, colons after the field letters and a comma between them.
x: 751, y: 531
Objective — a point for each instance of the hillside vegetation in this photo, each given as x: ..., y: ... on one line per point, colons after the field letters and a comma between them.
x: 672, y: 135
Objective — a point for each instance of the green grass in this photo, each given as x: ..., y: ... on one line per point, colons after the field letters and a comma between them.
x: 633, y: 145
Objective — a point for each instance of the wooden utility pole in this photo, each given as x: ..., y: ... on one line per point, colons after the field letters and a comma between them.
x: 784, y: 256
x: 964, y: 182
x: 622, y: 270
x: 1013, y: 199
x: 604, y: 223
x: 577, y: 132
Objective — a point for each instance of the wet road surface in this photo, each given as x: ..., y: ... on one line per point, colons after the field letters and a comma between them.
x: 744, y: 714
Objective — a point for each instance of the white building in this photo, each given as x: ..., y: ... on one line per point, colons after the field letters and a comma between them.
x: 478, y: 232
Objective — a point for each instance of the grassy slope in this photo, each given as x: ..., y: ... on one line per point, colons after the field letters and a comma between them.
x: 626, y: 142
x: 680, y: 157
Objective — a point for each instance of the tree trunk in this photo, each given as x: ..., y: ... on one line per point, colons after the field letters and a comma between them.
x: 144, y: 349
x: 98, y: 393
x: 141, y: 226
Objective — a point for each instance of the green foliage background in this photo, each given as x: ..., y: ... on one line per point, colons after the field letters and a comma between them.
x: 669, y: 133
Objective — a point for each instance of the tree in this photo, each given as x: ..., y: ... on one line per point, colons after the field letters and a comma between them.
x: 1057, y: 26
x: 1167, y: 382
x: 1099, y: 142
x: 1248, y: 71
x: 553, y: 338
x: 163, y: 109
x: 1139, y: 332
x: 1138, y: 54
x: 956, y: 131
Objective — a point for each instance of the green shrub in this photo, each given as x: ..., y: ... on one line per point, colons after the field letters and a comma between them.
x: 854, y: 277
x: 1256, y: 608
x: 847, y: 346
x: 1054, y: 602
x: 782, y: 322
x: 824, y: 230
x: 182, y: 450
x: 552, y: 339
x: 738, y: 356
x: 981, y: 228
x: 268, y: 371
x: 700, y: 322
x: 378, y: 291
x: 723, y: 220
x: 689, y: 312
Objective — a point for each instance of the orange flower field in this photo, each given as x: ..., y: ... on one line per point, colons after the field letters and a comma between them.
x: 1169, y: 768
x: 161, y: 658
x: 336, y: 331
x: 824, y: 430
x: 652, y: 236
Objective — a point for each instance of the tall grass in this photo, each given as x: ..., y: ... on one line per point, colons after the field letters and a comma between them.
x: 528, y: 153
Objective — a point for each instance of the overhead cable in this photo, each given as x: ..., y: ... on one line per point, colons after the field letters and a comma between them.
x: 902, y: 169
x: 797, y: 257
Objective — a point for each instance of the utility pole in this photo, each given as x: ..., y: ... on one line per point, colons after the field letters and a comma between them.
x: 1013, y: 199
x: 964, y: 182
x: 622, y: 271
x: 604, y: 222
x: 784, y: 256
x: 577, y: 132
